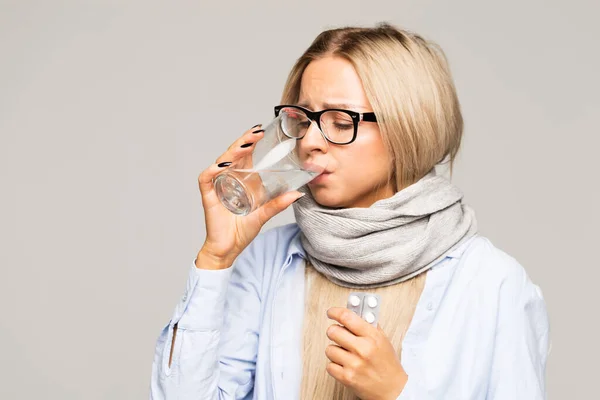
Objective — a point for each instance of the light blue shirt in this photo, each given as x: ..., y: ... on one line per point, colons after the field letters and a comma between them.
x: 480, y: 329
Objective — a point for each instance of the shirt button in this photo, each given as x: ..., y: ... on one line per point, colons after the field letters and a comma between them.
x: 184, y: 298
x: 429, y: 306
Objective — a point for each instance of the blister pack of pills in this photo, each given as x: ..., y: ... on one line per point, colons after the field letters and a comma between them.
x: 366, y: 305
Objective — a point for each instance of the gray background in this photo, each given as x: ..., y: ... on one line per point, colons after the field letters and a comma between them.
x: 110, y: 110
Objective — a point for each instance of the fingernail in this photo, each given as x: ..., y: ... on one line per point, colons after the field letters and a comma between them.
x: 224, y: 164
x: 256, y: 126
x: 246, y: 145
x: 301, y: 196
x: 258, y: 131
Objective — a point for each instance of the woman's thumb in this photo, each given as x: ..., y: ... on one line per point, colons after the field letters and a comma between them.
x: 277, y: 205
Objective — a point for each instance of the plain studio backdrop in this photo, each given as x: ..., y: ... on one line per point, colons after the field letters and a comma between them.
x: 109, y: 110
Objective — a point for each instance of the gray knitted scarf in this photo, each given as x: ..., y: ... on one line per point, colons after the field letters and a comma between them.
x: 391, y: 241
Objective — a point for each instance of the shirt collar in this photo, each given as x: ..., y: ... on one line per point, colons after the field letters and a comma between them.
x: 295, y: 247
x: 458, y: 252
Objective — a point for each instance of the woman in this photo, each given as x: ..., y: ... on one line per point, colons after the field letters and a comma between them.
x: 459, y: 318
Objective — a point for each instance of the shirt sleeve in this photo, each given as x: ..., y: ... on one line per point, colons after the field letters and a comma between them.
x: 213, y: 356
x: 521, y: 349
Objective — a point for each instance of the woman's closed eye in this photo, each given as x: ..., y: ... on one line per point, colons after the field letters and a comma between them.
x: 343, y: 126
x: 303, y: 124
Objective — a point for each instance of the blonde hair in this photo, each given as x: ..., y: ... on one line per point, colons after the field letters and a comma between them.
x: 409, y: 85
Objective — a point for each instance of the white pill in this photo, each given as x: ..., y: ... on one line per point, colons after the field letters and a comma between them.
x: 354, y: 300
x: 372, y: 302
x: 370, y: 317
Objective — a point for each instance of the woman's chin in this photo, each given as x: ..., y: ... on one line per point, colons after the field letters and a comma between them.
x: 326, y: 197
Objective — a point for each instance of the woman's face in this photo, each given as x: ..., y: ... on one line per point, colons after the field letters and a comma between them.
x: 356, y: 174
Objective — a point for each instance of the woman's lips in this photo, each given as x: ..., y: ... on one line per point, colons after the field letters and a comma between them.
x: 320, y: 178
x: 316, y: 168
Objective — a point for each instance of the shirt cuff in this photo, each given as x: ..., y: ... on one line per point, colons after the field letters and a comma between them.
x: 411, y: 391
x: 203, y: 304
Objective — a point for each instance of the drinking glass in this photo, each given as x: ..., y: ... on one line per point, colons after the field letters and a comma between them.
x: 274, y: 167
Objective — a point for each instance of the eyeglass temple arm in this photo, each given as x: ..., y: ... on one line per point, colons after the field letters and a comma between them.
x: 369, y: 117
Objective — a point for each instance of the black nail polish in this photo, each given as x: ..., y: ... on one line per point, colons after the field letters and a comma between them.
x: 256, y: 126
x: 258, y: 131
x: 224, y: 164
x: 246, y: 145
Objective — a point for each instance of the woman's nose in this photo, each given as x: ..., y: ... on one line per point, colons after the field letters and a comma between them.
x: 313, y: 140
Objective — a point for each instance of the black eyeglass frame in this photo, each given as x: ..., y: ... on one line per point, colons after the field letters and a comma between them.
x: 316, y: 116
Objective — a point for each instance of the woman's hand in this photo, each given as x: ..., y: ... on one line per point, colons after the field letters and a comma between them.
x: 364, y: 359
x: 227, y: 234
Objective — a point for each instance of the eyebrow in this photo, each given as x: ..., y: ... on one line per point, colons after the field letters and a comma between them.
x: 346, y: 106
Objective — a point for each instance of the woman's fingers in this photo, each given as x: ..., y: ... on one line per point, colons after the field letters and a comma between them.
x: 343, y: 337
x: 243, y: 146
x: 351, y: 321
x: 275, y: 206
x: 205, y: 180
x: 239, y: 149
x: 340, y: 356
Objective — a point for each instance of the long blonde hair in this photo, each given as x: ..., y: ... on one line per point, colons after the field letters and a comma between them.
x: 409, y: 85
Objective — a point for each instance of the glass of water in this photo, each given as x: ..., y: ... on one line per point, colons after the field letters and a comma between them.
x: 274, y: 167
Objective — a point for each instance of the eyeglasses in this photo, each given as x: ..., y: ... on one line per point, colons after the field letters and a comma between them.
x: 338, y: 126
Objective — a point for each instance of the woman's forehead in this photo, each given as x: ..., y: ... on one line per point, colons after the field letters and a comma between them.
x: 332, y: 82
